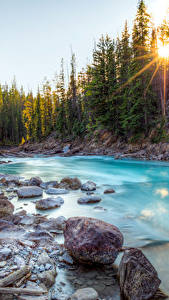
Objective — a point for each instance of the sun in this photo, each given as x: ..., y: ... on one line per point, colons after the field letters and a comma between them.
x: 163, y: 51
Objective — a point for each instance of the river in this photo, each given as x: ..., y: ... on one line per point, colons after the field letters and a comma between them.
x: 140, y: 206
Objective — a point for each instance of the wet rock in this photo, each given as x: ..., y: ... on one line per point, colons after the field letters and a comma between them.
x: 37, y: 181
x: 8, y: 179
x: 70, y: 183
x: 51, y: 184
x: 27, y: 220
x: 29, y: 192
x: 89, y: 199
x: 6, y: 207
x: 54, y: 225
x: 85, y: 294
x: 88, y: 186
x: 66, y: 258
x: 90, y: 240
x: 5, y: 253
x: 55, y: 191
x: 3, y: 264
x: 109, y: 191
x: 49, y: 203
x: 47, y: 278
x: 44, y: 259
x: 137, y: 277
x: 39, y: 235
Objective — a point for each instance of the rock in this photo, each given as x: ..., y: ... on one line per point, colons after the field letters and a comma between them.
x: 37, y: 181
x: 27, y: 220
x: 49, y: 203
x: 54, y: 191
x: 29, y: 192
x: 5, y: 253
x: 44, y: 259
x: 88, y: 186
x: 38, y: 235
x: 109, y: 191
x: 8, y: 179
x: 54, y: 225
x: 66, y: 258
x: 89, y: 240
x: 6, y: 207
x: 70, y: 183
x: 51, y: 184
x: 3, y: 264
x: 138, y: 278
x: 85, y: 294
x: 47, y: 278
x: 89, y: 199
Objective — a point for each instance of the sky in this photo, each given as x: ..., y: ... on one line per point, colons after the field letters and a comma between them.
x: 36, y: 34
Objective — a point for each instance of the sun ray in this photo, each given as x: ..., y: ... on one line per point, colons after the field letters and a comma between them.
x: 137, y: 74
x: 151, y: 80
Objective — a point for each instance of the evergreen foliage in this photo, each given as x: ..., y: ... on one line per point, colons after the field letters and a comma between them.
x: 121, y: 91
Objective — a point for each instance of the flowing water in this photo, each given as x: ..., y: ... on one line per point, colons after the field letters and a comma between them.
x: 140, y: 206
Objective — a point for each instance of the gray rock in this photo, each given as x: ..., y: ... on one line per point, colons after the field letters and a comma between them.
x: 49, y: 203
x: 85, y: 294
x: 47, y: 278
x: 89, y: 199
x: 44, y: 259
x: 5, y: 253
x: 29, y: 192
x: 88, y: 186
x: 54, y: 191
x: 37, y: 181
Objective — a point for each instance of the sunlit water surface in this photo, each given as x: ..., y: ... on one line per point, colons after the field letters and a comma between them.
x: 140, y: 206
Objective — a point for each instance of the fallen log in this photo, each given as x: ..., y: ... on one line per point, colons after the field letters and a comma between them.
x: 15, y: 276
x: 19, y: 291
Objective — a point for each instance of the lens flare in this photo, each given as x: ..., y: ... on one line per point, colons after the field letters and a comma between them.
x: 163, y: 51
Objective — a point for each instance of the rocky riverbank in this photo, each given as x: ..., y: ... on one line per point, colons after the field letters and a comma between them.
x: 35, y: 266
x: 101, y: 143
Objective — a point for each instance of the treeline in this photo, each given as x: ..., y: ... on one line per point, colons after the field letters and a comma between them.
x: 123, y: 90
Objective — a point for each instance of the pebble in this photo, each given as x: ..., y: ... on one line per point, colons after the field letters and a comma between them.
x: 2, y: 264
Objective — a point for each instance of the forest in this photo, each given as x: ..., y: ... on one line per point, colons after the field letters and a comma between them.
x: 125, y: 90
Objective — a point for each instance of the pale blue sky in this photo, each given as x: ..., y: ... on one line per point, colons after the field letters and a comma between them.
x: 36, y: 34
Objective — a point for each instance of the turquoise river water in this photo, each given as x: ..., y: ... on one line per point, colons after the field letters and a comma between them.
x: 140, y: 206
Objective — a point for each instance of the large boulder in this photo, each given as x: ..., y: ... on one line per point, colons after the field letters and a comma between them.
x: 29, y: 192
x: 85, y: 294
x: 138, y: 278
x: 6, y: 207
x: 91, y: 241
x: 88, y: 186
x: 49, y: 203
x: 70, y: 183
x: 89, y: 199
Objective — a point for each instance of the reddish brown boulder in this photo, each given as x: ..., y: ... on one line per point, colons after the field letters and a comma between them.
x: 89, y: 240
x: 138, y: 278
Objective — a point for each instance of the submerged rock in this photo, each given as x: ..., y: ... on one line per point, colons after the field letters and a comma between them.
x: 85, y: 294
x: 49, y: 203
x: 90, y: 240
x: 88, y: 186
x: 70, y: 183
x: 109, y: 191
x: 138, y: 278
x: 89, y: 199
x: 54, y: 191
x: 29, y: 192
